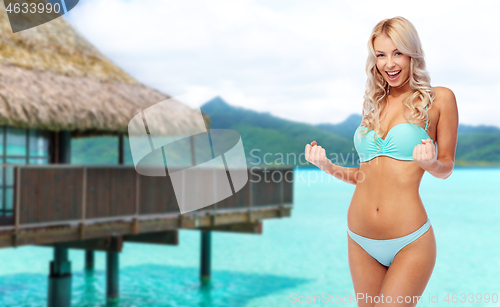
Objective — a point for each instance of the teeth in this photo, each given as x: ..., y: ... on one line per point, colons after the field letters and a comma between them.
x: 393, y: 73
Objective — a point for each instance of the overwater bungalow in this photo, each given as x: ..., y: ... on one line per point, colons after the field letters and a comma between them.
x: 55, y: 86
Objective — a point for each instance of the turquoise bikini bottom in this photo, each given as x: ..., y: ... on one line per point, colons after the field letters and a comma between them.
x: 384, y: 251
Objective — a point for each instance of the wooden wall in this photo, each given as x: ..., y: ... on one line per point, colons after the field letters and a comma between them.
x: 55, y: 193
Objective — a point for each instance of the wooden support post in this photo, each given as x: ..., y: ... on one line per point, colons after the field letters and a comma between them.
x: 121, y: 151
x: 112, y: 276
x: 61, y: 147
x: 89, y: 260
x: 205, y: 256
x: 59, y: 293
x: 281, y: 212
x: 250, y: 208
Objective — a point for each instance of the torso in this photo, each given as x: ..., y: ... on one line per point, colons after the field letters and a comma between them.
x: 386, y: 203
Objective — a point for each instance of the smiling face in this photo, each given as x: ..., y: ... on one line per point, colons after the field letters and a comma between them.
x: 390, y: 60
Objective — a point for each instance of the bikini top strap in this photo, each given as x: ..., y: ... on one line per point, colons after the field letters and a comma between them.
x: 427, y: 118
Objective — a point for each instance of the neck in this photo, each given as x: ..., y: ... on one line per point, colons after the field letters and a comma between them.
x: 396, y: 91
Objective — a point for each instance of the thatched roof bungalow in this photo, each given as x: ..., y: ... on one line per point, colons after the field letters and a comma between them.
x: 55, y: 85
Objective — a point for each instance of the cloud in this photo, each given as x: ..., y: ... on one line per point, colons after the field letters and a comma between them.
x: 299, y: 60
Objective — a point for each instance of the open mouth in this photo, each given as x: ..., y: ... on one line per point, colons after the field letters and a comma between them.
x: 393, y: 76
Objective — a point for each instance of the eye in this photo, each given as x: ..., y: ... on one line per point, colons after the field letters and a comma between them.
x: 379, y: 55
x: 399, y: 53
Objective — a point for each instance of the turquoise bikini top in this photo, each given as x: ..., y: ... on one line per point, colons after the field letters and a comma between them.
x: 398, y: 143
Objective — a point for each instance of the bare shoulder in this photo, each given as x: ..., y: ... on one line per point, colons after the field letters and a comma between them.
x: 446, y: 105
x: 444, y: 99
x: 447, y: 123
x: 441, y: 90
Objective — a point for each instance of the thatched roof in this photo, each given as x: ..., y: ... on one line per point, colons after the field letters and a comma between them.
x: 52, y: 78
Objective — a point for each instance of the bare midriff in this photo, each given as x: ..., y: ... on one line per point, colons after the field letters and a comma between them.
x: 386, y: 203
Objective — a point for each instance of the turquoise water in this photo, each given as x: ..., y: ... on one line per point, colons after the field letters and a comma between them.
x: 305, y: 254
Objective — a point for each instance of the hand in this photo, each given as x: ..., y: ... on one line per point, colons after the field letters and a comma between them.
x: 425, y: 154
x: 316, y: 155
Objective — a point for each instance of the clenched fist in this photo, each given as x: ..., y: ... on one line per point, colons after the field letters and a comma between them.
x: 317, y: 155
x: 424, y: 154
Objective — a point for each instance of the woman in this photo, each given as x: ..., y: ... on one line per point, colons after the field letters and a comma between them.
x: 391, y: 243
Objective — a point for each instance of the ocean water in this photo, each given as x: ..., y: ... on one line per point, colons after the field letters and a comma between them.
x: 296, y: 257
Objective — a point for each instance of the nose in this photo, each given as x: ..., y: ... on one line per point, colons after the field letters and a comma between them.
x: 390, y: 63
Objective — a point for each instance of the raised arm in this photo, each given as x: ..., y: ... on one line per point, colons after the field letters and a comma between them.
x: 317, y: 155
x: 446, y: 138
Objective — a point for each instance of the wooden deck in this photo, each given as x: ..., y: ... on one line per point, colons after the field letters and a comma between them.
x: 62, y: 203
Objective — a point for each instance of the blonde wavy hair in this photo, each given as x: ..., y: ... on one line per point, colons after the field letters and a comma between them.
x: 405, y: 38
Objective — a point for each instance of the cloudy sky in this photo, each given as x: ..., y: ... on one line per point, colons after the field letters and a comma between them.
x: 299, y: 60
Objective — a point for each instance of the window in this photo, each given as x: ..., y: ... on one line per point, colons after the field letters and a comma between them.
x: 19, y: 146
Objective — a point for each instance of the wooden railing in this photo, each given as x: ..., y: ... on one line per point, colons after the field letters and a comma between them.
x: 46, y: 195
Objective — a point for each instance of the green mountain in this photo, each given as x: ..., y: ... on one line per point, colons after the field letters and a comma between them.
x: 279, y: 140
x: 282, y: 142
